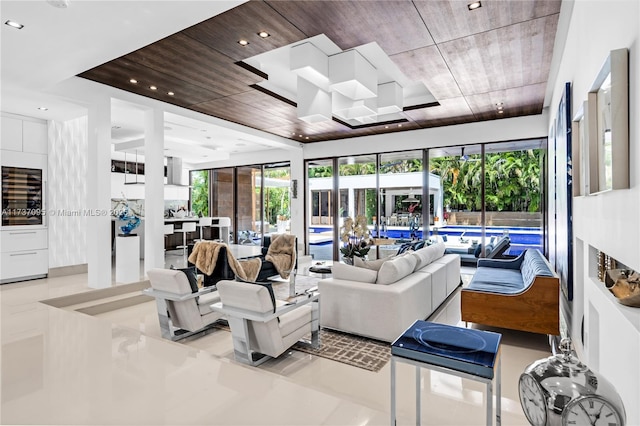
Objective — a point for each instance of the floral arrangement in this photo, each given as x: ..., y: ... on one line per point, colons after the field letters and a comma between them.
x: 355, y: 234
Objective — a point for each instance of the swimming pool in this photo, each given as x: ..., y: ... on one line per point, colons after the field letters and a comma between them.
x: 521, y: 238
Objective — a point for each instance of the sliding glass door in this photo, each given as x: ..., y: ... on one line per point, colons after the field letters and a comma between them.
x: 320, y: 209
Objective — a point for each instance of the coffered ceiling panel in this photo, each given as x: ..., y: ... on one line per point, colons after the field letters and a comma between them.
x: 186, y: 59
x: 449, y: 20
x: 394, y: 25
x: 244, y: 22
x: 427, y: 65
x: 517, y: 101
x: 266, y: 103
x: 450, y: 111
x: 507, y: 57
x: 231, y: 109
x: 119, y: 72
x: 500, y: 52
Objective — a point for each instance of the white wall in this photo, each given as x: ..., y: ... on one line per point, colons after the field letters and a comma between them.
x: 610, y: 221
x: 67, y: 191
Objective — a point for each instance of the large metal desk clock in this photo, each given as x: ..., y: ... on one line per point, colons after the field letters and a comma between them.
x: 562, y: 391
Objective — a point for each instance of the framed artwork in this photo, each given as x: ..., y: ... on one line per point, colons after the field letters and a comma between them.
x: 564, y: 194
x: 608, y: 123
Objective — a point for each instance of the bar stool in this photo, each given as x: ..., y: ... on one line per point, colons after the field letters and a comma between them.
x: 203, y: 223
x: 168, y: 230
x: 186, y: 227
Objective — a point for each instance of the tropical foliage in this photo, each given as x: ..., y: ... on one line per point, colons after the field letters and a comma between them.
x: 277, y: 198
x: 200, y: 192
x: 512, y: 181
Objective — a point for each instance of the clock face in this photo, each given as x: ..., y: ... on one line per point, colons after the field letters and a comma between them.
x: 590, y: 410
x: 532, y: 400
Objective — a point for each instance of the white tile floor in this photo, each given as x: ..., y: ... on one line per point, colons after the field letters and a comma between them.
x: 63, y: 367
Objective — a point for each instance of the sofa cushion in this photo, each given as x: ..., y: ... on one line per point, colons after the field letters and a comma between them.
x: 396, y: 269
x: 428, y: 254
x: 532, y: 265
x: 341, y: 271
x: 370, y: 264
x: 497, y: 280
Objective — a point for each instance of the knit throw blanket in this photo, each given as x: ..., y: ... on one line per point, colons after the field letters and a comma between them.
x: 282, y: 253
x: 205, y: 256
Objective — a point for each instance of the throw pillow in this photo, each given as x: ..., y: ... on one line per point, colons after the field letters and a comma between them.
x: 341, y: 271
x: 370, y: 264
x: 428, y: 254
x: 396, y: 269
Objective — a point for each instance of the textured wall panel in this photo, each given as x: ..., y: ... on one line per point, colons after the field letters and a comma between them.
x: 67, y: 192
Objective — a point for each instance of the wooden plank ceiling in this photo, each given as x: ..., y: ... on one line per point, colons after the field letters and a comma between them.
x: 470, y: 60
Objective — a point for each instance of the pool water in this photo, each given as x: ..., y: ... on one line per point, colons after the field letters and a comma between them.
x: 522, y: 238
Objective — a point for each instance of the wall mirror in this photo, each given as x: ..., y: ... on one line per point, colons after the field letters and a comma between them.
x: 584, y: 177
x: 608, y: 124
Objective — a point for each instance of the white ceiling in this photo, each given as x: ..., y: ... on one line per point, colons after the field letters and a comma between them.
x: 56, y: 44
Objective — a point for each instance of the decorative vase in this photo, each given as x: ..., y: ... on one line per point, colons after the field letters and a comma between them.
x: 348, y: 260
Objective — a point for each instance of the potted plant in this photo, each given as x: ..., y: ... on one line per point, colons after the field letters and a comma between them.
x: 355, y: 234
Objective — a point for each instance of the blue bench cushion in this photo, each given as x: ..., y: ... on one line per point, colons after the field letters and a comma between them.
x: 532, y: 265
x: 497, y: 280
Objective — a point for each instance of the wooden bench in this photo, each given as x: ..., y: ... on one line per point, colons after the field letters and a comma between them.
x: 496, y: 297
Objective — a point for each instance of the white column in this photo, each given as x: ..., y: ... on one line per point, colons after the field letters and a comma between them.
x: 154, y: 190
x: 352, y: 203
x: 99, y: 193
x: 297, y: 204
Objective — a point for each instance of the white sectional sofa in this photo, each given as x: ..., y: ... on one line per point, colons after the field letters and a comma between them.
x: 380, y: 299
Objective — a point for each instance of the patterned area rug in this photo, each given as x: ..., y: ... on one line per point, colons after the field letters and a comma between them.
x: 349, y: 349
x: 346, y: 348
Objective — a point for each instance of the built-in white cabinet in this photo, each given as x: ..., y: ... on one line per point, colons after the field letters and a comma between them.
x: 24, y: 246
x: 24, y: 135
x: 11, y: 134
x: 34, y: 137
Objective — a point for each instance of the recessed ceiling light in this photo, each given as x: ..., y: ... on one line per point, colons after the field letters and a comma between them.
x: 307, y: 137
x: 243, y: 42
x: 499, y: 104
x: 207, y: 137
x: 475, y: 5
x: 133, y: 80
x: 14, y: 24
x: 264, y: 34
x: 43, y: 108
x: 500, y: 112
x: 170, y: 93
x: 299, y: 136
x: 153, y: 88
x: 386, y: 127
x: 399, y: 125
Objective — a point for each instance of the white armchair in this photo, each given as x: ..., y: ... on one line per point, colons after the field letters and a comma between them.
x: 182, y: 309
x: 263, y: 327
